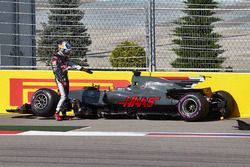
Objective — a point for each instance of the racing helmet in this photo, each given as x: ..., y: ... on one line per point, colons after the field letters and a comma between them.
x: 64, y: 46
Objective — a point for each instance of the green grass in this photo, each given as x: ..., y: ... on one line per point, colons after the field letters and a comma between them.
x: 41, y: 128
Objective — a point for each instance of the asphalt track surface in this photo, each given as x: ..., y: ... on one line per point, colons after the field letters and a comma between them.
x: 186, y: 146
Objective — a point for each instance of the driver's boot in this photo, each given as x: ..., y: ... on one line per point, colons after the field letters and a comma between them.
x: 57, y: 116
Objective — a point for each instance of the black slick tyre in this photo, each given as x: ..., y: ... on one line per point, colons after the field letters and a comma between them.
x: 44, y: 102
x: 193, y: 107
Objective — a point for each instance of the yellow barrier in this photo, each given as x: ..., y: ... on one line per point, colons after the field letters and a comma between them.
x: 18, y: 86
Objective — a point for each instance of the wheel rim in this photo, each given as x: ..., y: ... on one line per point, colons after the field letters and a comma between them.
x: 189, y: 106
x: 41, y: 101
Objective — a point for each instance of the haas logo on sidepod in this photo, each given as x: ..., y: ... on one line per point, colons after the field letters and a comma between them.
x: 135, y: 101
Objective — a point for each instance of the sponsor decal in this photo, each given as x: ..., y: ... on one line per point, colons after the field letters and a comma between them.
x: 21, y: 90
x: 137, y: 102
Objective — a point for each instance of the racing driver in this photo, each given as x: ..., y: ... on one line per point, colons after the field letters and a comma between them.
x: 60, y: 64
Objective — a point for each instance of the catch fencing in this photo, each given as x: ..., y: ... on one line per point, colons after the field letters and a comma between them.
x: 149, y: 23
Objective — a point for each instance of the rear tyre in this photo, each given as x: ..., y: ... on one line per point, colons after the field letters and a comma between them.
x: 44, y: 102
x: 225, y: 102
x: 193, y: 107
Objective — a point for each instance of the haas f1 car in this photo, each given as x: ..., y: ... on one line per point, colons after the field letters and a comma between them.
x: 146, y: 96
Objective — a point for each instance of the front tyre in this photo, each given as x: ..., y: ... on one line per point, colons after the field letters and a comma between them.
x: 44, y: 102
x: 193, y: 107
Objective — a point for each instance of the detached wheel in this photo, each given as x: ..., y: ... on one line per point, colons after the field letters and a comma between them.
x: 225, y: 103
x: 44, y: 102
x: 193, y: 107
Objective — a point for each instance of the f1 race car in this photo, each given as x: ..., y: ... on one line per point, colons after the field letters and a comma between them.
x: 146, y: 96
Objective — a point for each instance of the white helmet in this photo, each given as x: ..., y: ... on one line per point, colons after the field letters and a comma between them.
x: 64, y: 47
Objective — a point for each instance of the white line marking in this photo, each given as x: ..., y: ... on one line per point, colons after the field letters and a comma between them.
x: 136, y: 134
x: 82, y: 133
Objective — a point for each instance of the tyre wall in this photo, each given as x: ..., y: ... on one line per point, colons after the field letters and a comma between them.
x: 17, y: 87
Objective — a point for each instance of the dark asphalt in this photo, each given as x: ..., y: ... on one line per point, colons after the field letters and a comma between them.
x: 53, y: 151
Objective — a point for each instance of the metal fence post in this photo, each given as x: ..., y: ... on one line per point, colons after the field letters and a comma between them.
x: 151, y: 33
x: 148, y: 57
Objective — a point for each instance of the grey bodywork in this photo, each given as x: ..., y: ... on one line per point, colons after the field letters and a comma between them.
x: 169, y: 92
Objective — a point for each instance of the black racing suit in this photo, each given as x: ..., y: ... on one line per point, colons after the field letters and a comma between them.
x: 60, y: 64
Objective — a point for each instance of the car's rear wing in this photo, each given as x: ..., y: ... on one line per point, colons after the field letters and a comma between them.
x: 183, y: 81
x: 188, y: 82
